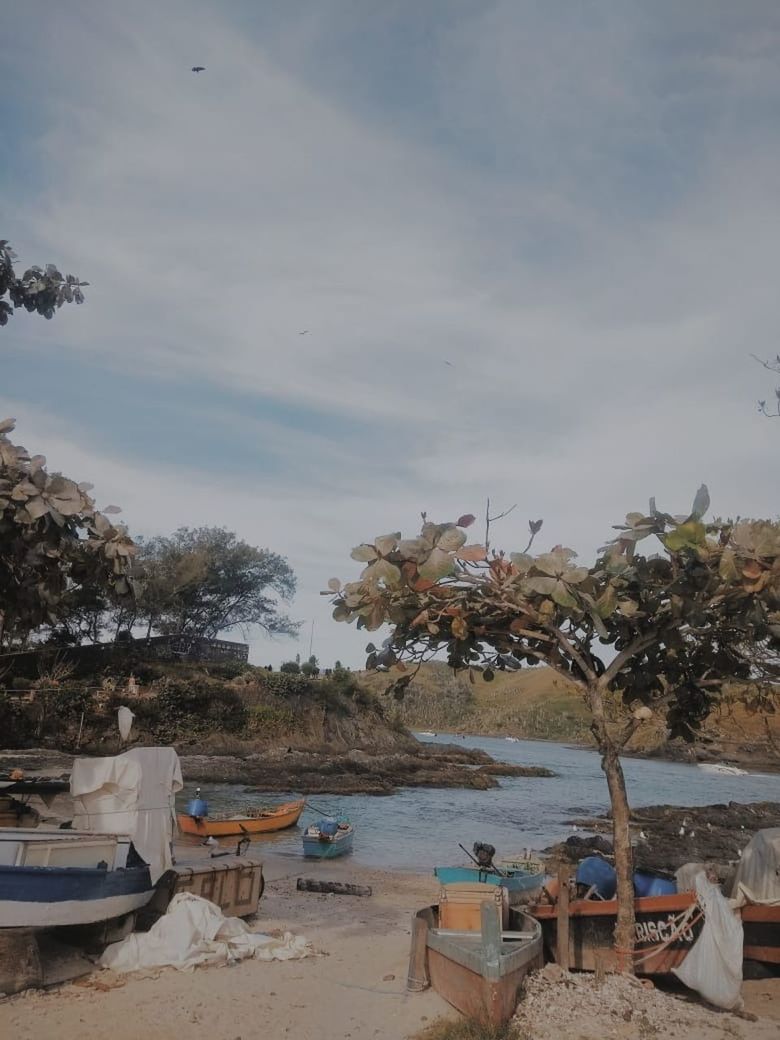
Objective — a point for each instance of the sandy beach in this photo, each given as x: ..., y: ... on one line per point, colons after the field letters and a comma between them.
x: 354, y: 988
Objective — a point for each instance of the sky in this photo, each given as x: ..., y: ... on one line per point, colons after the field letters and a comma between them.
x: 532, y: 246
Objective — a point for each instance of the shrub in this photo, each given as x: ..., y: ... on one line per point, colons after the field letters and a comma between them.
x: 197, y: 708
x: 290, y: 668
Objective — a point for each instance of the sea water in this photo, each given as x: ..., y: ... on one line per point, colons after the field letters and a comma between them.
x: 420, y: 827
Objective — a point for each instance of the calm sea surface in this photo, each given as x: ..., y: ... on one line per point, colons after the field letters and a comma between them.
x: 419, y: 828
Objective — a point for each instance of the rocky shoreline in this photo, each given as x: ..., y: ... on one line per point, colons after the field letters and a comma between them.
x: 321, y: 772
x: 665, y: 837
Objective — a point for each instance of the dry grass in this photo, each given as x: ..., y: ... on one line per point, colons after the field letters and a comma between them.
x: 465, y: 1029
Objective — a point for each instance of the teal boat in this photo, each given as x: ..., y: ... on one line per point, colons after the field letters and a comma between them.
x: 512, y: 879
x: 327, y: 839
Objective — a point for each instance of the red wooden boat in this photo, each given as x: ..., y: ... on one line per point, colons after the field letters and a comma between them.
x: 666, y: 929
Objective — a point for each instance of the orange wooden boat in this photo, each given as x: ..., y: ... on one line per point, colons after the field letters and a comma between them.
x: 257, y: 821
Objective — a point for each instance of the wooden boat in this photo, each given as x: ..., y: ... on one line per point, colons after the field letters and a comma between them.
x: 56, y: 878
x: 480, y: 972
x: 328, y: 839
x: 514, y: 878
x: 719, y: 767
x: 255, y: 821
x: 658, y: 919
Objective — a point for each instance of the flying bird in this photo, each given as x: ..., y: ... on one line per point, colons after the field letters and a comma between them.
x: 449, y: 363
x: 198, y: 68
x: 304, y: 333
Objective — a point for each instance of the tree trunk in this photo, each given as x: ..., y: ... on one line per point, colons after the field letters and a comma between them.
x: 621, y: 837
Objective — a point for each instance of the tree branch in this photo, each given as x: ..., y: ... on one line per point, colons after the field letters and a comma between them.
x: 614, y: 669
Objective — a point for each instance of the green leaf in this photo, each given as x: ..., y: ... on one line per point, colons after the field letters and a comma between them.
x: 689, y: 535
x: 544, y: 586
x: 451, y: 539
x: 364, y: 553
x: 522, y: 562
x: 383, y: 570
x: 576, y: 575
x: 415, y: 549
x: 385, y: 543
x: 607, y: 601
x: 438, y: 565
x: 701, y: 503
x: 563, y: 597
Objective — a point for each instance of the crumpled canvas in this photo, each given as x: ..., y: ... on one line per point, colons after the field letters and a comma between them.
x: 194, y: 931
x: 758, y: 875
x: 713, y: 967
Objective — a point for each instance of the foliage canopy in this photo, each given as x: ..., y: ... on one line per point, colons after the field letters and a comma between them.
x: 55, y: 546
x: 39, y: 289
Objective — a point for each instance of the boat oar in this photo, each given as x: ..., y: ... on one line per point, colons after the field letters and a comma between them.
x: 486, y: 869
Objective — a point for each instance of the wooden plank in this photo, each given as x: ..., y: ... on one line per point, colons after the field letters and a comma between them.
x: 417, y: 978
x: 562, y: 945
x: 338, y: 888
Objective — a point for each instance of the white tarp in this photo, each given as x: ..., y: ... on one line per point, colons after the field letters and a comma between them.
x: 194, y: 931
x: 124, y: 718
x: 713, y: 967
x: 758, y: 876
x: 131, y: 794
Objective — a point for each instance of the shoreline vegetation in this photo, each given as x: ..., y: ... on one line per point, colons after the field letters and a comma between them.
x: 538, y: 704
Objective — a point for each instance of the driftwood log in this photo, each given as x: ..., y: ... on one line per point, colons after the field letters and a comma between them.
x: 338, y: 888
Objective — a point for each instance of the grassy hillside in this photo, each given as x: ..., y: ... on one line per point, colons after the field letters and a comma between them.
x: 534, y: 703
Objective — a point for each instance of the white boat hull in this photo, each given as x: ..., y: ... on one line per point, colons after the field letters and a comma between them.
x: 14, y: 914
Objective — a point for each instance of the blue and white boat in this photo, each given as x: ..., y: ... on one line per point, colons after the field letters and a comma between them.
x: 54, y: 878
x: 327, y: 839
x: 514, y: 880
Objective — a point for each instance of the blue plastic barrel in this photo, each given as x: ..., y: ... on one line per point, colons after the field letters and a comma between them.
x: 651, y: 885
x: 197, y: 807
x: 595, y: 871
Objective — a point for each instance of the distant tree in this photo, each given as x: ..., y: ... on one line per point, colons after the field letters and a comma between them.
x: 639, y: 636
x: 290, y: 668
x: 57, y: 551
x: 205, y: 581
x: 39, y: 289
x: 338, y: 667
x: 311, y: 667
x: 771, y: 410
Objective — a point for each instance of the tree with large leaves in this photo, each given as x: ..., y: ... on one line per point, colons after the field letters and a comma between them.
x: 640, y: 636
x: 39, y: 289
x: 55, y: 546
x: 205, y: 581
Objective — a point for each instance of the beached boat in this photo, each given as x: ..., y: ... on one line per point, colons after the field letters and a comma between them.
x: 513, y: 877
x: 718, y: 767
x: 55, y: 878
x: 675, y: 920
x: 252, y: 821
x: 479, y: 972
x: 328, y: 839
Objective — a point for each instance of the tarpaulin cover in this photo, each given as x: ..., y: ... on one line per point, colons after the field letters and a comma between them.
x: 713, y: 967
x: 758, y: 876
x: 131, y: 794
x: 194, y: 931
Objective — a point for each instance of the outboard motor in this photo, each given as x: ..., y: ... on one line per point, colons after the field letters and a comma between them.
x: 484, y: 853
x: 197, y: 806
